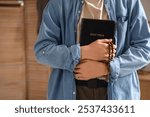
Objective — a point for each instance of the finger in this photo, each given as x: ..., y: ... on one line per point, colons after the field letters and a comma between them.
x: 77, y: 67
x: 83, y: 78
x: 84, y: 61
x: 106, y: 55
x: 76, y: 72
x: 104, y: 40
x: 106, y: 58
x: 78, y: 77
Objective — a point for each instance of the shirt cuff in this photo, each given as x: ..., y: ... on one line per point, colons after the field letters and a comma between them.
x: 75, y: 57
x: 114, y: 69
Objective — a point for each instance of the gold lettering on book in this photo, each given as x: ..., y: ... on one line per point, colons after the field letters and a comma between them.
x: 97, y: 35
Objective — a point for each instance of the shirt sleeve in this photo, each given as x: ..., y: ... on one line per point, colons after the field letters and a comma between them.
x: 138, y: 54
x: 48, y: 48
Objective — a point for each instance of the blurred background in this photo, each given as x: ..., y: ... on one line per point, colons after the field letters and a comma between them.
x: 21, y: 77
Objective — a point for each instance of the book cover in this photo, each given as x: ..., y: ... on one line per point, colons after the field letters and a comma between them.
x: 93, y: 29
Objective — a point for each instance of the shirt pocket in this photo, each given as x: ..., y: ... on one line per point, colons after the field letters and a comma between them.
x: 122, y: 22
x: 122, y: 27
x: 122, y: 32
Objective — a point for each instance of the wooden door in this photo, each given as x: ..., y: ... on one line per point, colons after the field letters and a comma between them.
x: 12, y: 51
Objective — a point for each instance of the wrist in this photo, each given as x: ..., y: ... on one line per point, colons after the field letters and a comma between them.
x: 84, y: 52
x: 104, y: 69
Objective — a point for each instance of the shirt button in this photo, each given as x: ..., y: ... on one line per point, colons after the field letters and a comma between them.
x: 74, y: 93
x: 79, y: 12
x: 82, y: 2
x: 43, y: 52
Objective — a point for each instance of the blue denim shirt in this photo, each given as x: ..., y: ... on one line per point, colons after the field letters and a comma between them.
x: 56, y: 47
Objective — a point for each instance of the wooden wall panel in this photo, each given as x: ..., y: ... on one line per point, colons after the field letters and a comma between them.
x: 145, y: 85
x: 37, y: 75
x: 12, y: 35
x: 12, y: 53
x: 37, y: 83
x: 12, y: 82
x: 145, y: 88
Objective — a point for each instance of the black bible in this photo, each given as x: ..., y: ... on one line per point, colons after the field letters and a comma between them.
x: 93, y: 29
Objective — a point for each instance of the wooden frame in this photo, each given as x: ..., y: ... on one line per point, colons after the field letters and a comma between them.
x: 11, y: 3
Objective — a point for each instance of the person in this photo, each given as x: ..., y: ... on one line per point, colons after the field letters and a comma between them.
x: 58, y: 47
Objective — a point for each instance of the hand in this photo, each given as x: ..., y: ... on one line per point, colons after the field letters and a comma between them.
x: 98, y: 50
x: 89, y: 69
